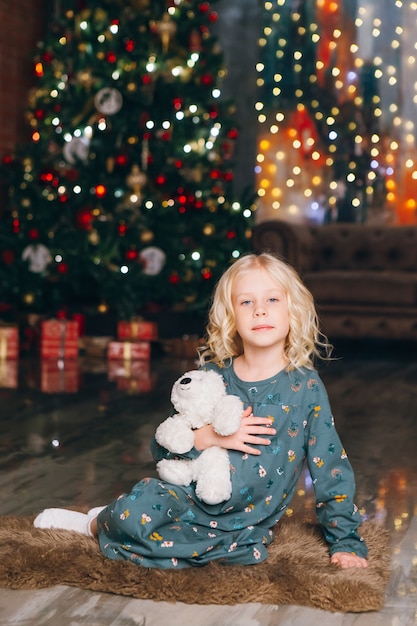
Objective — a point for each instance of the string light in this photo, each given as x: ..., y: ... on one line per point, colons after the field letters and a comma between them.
x: 370, y: 58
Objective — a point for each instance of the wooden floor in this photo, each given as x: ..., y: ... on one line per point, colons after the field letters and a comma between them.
x: 66, y: 449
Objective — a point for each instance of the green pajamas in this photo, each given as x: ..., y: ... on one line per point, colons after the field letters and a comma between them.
x: 162, y: 525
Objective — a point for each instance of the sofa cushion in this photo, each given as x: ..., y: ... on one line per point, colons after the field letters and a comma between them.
x: 353, y: 246
x: 365, y: 287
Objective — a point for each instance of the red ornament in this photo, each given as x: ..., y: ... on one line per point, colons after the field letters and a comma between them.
x: 47, y: 57
x: 16, y: 226
x: 228, y: 176
x: 207, y: 79
x: 174, y: 279
x: 233, y: 133
x: 207, y: 274
x: 204, y: 7
x: 195, y: 41
x: 131, y: 255
x: 39, y: 114
x: 8, y: 256
x: 111, y: 57
x: 8, y: 159
x: 160, y: 179
x: 62, y: 268
x: 122, y: 228
x: 33, y: 233
x: 231, y: 234
x: 178, y: 164
x: 83, y: 219
x: 213, y: 17
x: 130, y: 45
x: 122, y: 160
x: 177, y: 102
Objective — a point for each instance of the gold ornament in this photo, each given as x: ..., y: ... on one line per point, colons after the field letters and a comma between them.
x: 166, y: 29
x: 29, y: 298
x: 103, y: 307
x: 85, y: 78
x: 146, y: 236
x: 93, y: 237
x: 136, y: 180
x: 209, y: 230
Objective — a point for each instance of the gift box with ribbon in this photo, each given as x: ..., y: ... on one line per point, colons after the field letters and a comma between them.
x: 129, y: 350
x: 59, y: 339
x: 137, y: 329
x: 9, y: 342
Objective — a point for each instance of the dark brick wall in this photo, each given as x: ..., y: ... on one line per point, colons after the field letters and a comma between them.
x: 22, y: 24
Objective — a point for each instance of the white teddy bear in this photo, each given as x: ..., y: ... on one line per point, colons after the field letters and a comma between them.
x: 199, y: 398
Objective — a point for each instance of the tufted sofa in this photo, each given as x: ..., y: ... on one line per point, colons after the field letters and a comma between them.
x: 363, y: 277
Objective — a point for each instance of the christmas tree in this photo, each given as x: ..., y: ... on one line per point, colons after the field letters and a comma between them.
x: 123, y: 198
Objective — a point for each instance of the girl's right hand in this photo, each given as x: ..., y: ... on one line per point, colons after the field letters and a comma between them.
x: 252, y: 431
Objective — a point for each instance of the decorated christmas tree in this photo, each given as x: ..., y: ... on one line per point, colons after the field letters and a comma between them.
x: 122, y: 200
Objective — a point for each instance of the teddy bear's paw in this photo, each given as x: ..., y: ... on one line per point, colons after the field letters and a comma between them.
x: 175, y: 472
x: 212, y: 495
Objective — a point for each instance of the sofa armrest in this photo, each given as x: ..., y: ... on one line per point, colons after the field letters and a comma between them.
x: 292, y: 242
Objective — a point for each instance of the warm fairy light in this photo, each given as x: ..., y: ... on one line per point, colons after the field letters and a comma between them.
x: 350, y: 53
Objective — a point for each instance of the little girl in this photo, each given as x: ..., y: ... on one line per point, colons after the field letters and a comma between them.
x: 262, y: 337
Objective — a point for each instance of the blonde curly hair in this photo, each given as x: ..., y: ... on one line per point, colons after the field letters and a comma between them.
x: 305, y: 342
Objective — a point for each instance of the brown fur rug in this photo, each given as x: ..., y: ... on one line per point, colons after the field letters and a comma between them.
x: 296, y: 572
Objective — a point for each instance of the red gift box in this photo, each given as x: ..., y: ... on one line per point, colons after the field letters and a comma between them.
x: 137, y: 329
x: 60, y: 376
x: 129, y: 350
x: 8, y: 374
x: 59, y: 339
x: 9, y: 342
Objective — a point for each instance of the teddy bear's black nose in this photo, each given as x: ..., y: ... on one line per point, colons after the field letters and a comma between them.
x: 185, y: 381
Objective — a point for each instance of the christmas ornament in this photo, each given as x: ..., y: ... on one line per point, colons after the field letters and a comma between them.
x: 38, y: 257
x: 166, y: 29
x: 29, y: 298
x: 153, y: 260
x: 136, y: 180
x: 146, y: 236
x: 83, y: 219
x: 94, y: 237
x: 108, y: 101
x: 76, y: 150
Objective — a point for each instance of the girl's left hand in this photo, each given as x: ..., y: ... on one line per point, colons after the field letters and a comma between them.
x: 347, y: 559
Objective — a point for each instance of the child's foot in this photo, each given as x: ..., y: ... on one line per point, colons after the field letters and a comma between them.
x: 95, y: 511
x: 65, y: 520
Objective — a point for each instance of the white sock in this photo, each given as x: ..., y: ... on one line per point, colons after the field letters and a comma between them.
x: 92, y: 513
x: 65, y: 520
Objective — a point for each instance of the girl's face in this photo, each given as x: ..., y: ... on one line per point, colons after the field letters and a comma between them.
x: 261, y: 310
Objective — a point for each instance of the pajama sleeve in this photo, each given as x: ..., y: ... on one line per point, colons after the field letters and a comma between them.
x: 332, y: 476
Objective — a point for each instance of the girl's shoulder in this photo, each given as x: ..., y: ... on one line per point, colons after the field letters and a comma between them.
x: 220, y: 368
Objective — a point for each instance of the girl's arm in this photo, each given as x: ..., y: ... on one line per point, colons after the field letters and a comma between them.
x: 253, y: 431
